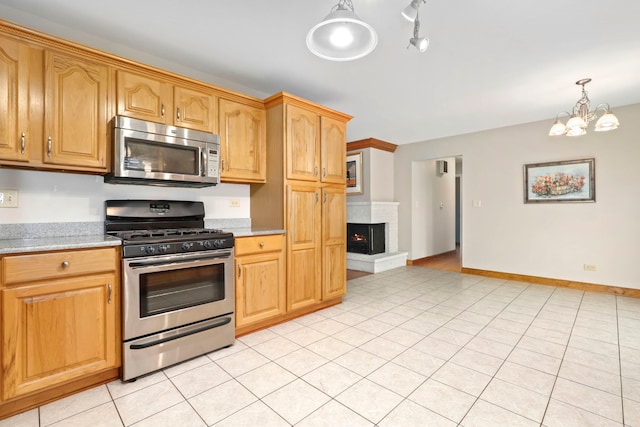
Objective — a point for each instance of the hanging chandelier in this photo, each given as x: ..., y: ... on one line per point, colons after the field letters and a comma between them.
x: 342, y: 36
x: 582, y: 115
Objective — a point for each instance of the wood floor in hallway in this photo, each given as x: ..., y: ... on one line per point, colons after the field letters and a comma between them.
x: 450, y: 261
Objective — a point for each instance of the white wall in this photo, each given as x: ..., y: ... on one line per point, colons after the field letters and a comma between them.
x: 545, y: 240
x: 66, y: 197
x: 377, y: 170
x: 433, y: 213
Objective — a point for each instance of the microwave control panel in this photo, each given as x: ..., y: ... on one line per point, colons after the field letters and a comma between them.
x: 213, y: 163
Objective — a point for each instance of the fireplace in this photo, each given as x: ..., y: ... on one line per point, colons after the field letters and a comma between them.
x: 365, y: 238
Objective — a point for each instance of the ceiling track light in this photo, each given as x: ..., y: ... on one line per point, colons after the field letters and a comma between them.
x: 411, y: 12
x: 581, y: 116
x: 342, y: 35
x: 420, y: 43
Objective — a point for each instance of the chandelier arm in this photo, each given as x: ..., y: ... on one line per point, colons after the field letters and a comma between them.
x: 416, y: 27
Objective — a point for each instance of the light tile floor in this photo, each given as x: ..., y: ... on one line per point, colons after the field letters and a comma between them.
x: 408, y: 347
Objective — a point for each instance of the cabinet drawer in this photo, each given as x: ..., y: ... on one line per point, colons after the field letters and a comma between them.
x: 258, y: 244
x: 25, y: 268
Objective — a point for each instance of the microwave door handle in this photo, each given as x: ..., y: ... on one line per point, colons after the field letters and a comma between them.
x: 203, y: 161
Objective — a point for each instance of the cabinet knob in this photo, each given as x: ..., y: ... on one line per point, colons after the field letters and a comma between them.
x: 178, y: 113
x: 262, y: 244
x: 49, y: 146
x: 22, y: 142
x: 162, y: 110
x: 65, y: 264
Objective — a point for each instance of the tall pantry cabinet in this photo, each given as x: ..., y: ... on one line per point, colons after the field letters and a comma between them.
x: 305, y: 194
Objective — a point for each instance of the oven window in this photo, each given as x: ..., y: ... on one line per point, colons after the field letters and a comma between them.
x: 158, y: 157
x: 166, y: 291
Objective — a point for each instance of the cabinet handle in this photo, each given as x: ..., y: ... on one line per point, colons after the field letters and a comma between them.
x: 315, y: 171
x: 324, y: 198
x: 222, y: 165
x: 22, y: 143
x: 110, y: 293
x: 65, y: 264
x: 324, y: 172
x: 239, y: 271
x: 178, y: 114
x: 49, y: 146
x: 162, y: 110
x: 262, y: 244
x: 316, y: 198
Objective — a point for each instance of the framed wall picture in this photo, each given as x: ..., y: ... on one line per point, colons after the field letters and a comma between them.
x: 557, y: 182
x: 354, y: 173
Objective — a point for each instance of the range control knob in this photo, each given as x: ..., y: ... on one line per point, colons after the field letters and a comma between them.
x: 186, y: 246
x: 149, y: 249
x: 218, y: 243
x: 163, y: 248
x: 208, y: 244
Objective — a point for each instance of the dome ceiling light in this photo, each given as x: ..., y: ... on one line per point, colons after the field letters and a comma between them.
x: 342, y: 35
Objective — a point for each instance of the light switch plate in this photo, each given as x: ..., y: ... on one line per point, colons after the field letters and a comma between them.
x: 8, y: 198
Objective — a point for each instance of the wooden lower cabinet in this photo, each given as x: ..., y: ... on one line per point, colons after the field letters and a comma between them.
x: 61, y: 330
x: 260, y: 280
x: 334, y: 242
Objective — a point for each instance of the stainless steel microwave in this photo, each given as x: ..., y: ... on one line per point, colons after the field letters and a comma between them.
x: 155, y: 154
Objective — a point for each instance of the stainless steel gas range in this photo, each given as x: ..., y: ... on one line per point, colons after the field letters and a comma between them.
x: 178, y: 283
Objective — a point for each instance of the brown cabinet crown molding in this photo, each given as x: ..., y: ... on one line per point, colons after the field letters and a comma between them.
x: 361, y: 144
x: 25, y: 34
x: 287, y: 98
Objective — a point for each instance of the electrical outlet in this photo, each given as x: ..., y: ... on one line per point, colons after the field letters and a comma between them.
x: 234, y: 203
x: 590, y: 267
x: 8, y: 198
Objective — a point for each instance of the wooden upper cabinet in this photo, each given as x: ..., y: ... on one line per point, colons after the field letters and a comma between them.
x: 333, y: 143
x: 14, y: 92
x: 194, y: 109
x: 148, y: 98
x: 303, y: 148
x: 243, y: 143
x: 142, y: 97
x: 76, y: 107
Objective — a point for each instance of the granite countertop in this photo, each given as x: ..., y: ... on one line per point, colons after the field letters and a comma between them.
x: 248, y: 232
x: 16, y: 238
x: 36, y: 244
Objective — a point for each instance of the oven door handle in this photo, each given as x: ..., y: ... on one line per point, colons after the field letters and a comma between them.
x: 178, y: 261
x: 223, y: 322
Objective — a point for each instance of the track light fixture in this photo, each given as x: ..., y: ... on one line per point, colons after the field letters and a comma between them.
x: 420, y: 43
x: 411, y: 12
x: 581, y: 116
x: 342, y: 36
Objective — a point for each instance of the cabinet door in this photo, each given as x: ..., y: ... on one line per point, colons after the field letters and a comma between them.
x: 194, y: 109
x: 143, y: 97
x: 303, y: 148
x: 58, y: 331
x: 304, y: 247
x: 333, y: 147
x: 334, y: 239
x: 14, y: 100
x: 76, y: 107
x: 242, y: 142
x: 260, y: 287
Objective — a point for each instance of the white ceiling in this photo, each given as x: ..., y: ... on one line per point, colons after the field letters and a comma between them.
x: 490, y: 63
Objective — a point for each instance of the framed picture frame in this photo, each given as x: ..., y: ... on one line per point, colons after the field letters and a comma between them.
x: 560, y: 182
x: 354, y: 174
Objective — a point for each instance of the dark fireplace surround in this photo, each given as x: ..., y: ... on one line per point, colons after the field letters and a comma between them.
x: 365, y: 239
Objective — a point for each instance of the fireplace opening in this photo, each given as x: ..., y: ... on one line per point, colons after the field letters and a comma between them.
x: 365, y: 238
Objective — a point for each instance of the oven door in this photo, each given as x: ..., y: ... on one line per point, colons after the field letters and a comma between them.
x: 166, y: 292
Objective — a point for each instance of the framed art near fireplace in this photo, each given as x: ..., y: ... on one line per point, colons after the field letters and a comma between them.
x: 354, y: 173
